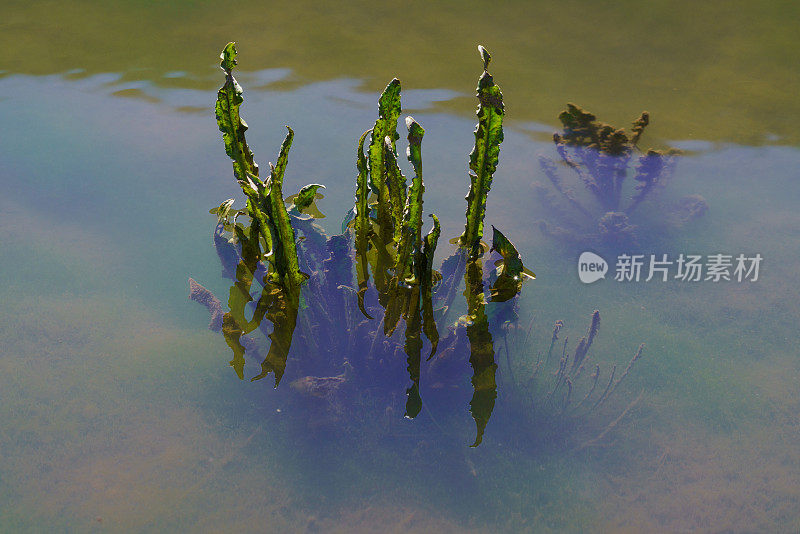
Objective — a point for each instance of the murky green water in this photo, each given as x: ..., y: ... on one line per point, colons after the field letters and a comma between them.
x: 120, y: 411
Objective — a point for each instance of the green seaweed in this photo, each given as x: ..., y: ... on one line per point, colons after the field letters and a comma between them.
x: 481, y: 356
x: 600, y: 156
x: 265, y: 203
x: 484, y: 157
x: 305, y: 200
x: 407, y: 258
x: 512, y: 261
x: 426, y: 284
x: 232, y: 126
x: 275, y: 303
x: 363, y: 226
x: 411, y: 226
x: 396, y: 185
x: 287, y: 268
x: 387, y: 224
x: 385, y: 126
x: 510, y: 271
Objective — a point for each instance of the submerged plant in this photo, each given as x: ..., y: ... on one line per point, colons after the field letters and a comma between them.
x: 600, y: 156
x: 563, y: 386
x: 346, y: 333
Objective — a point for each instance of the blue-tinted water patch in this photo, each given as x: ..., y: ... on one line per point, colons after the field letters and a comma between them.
x: 116, y: 388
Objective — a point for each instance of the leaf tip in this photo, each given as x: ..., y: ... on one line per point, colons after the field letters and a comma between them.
x: 485, y: 56
x: 228, y: 57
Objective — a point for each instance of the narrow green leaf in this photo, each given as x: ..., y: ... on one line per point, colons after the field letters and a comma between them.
x: 386, y: 126
x: 484, y: 156
x: 260, y: 223
x: 426, y: 285
x: 430, y: 243
x: 278, y: 170
x: 223, y: 211
x: 485, y: 56
x: 232, y: 126
x: 228, y: 57
x: 285, y: 249
x: 396, y: 185
x: 362, y: 224
x: 382, y: 260
x: 414, y: 151
x: 411, y: 234
x: 510, y: 272
x: 410, y: 244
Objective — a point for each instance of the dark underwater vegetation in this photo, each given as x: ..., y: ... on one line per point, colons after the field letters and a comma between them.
x: 600, y: 157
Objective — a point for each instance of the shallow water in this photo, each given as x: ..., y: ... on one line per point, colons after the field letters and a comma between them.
x: 120, y: 410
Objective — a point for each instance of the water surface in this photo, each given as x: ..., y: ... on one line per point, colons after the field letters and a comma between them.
x: 121, y: 412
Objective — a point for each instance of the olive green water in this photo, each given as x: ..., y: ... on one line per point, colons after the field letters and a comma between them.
x: 119, y: 409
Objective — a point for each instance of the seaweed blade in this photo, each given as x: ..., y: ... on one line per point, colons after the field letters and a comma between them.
x: 484, y: 156
x: 230, y: 123
x: 285, y: 249
x: 385, y: 126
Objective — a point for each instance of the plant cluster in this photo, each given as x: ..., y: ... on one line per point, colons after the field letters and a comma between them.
x: 600, y: 156
x: 288, y: 273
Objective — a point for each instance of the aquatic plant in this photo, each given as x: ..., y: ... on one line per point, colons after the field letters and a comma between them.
x: 484, y: 156
x: 346, y: 354
x: 559, y: 388
x: 600, y: 156
x: 265, y: 206
x: 345, y: 331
